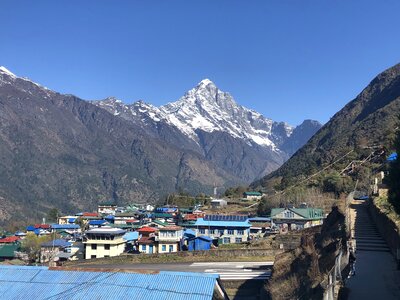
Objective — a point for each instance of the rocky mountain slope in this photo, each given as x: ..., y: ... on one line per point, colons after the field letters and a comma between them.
x: 60, y: 151
x: 367, y: 121
x: 208, y: 121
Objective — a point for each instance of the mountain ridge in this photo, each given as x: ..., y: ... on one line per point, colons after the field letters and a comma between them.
x: 61, y: 151
x: 367, y: 121
x: 206, y: 111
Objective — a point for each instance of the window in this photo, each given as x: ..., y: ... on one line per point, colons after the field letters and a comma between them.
x: 143, y: 247
x: 289, y: 214
x: 93, y: 256
x: 171, y: 248
x: 216, y: 231
x: 238, y: 240
x: 94, y: 246
x: 231, y: 231
x: 107, y: 247
x: 221, y: 232
x: 202, y: 231
x: 164, y: 248
x: 240, y: 232
x: 227, y: 240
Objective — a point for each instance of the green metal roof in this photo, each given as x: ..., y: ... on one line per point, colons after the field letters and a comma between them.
x: 306, y: 213
x: 7, y: 251
x: 162, y: 215
x: 252, y: 193
x: 124, y: 226
x: 160, y: 223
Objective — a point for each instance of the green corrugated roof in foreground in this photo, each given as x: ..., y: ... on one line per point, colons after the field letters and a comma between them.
x: 18, y: 282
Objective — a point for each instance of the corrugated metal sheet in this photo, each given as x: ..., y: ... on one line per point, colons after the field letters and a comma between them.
x: 40, y: 283
x: 202, y: 222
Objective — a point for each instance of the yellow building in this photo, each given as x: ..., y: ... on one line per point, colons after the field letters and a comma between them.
x: 104, y: 242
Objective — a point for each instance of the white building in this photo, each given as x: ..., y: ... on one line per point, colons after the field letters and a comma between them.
x: 218, y: 203
x: 168, y: 239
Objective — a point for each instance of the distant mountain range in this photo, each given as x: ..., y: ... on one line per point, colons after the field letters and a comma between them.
x: 367, y: 122
x: 208, y: 121
x: 60, y: 151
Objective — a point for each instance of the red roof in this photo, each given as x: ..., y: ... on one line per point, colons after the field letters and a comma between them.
x: 10, y: 239
x: 146, y: 240
x: 89, y: 214
x: 147, y: 229
x: 131, y: 221
x: 190, y: 217
x: 43, y: 226
x: 174, y: 228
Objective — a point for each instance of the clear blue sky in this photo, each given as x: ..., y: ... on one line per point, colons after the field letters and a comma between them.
x: 289, y: 60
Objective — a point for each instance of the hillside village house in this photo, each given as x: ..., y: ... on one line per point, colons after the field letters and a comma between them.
x: 49, y: 250
x: 169, y: 238
x: 226, y: 228
x: 106, y: 208
x: 252, y: 195
x: 296, y: 218
x: 104, y: 242
x: 66, y: 220
x: 218, y: 203
x: 147, y: 241
x: 123, y: 218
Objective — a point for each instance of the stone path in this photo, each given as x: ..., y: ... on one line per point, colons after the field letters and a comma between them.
x: 376, y: 275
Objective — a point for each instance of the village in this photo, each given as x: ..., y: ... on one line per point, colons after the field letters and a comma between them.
x: 144, y: 229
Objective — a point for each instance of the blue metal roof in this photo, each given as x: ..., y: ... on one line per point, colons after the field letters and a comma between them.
x: 97, y: 222
x: 259, y: 219
x: 19, y: 282
x: 206, y: 238
x: 189, y: 232
x: 202, y: 222
x: 57, y: 243
x: 71, y: 220
x: 392, y: 157
x: 65, y: 226
x: 131, y: 236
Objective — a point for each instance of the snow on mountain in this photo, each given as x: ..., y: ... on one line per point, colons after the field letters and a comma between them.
x: 208, y: 108
x: 23, y: 83
x: 6, y: 71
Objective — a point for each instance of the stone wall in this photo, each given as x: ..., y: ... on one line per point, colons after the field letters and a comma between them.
x: 184, y: 256
x: 387, y: 228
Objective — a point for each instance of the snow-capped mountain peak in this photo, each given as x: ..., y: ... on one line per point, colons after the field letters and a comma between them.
x: 23, y: 83
x: 4, y: 70
x: 207, y: 108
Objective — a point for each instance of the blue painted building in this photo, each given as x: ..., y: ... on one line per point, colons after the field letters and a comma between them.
x: 227, y: 229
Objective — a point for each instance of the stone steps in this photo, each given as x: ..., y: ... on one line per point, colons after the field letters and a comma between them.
x: 366, y: 233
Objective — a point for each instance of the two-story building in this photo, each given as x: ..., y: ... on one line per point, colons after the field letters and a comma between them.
x: 104, y: 242
x: 296, y: 218
x: 226, y: 228
x: 147, y: 240
x: 169, y: 238
x: 106, y: 208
